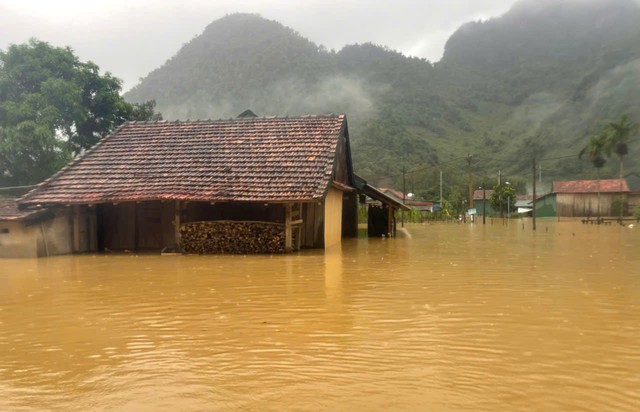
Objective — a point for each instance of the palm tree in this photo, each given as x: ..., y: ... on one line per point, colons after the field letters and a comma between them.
x: 619, y: 135
x: 595, y: 150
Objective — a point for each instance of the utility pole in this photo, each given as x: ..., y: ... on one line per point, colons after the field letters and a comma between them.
x: 441, y: 189
x: 500, y: 190
x: 484, y: 204
x: 533, y: 210
x: 469, y: 159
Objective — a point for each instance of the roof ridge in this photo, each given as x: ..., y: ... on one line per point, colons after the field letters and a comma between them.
x: 241, y: 119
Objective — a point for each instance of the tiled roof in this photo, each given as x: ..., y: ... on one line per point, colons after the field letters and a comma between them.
x: 591, y: 186
x: 248, y: 159
x: 9, y: 210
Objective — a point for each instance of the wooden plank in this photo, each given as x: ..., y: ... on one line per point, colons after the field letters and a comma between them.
x: 93, y: 230
x: 76, y: 228
x: 287, y: 228
x: 176, y: 224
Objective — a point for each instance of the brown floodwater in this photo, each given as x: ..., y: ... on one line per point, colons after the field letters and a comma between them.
x: 456, y: 317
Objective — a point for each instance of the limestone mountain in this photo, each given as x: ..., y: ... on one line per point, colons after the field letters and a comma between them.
x: 539, y: 79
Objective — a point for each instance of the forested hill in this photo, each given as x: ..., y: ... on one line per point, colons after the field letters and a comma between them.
x: 539, y: 79
x: 547, y: 45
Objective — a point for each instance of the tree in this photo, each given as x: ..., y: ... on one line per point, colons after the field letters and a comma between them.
x: 503, y: 197
x: 52, y: 107
x: 595, y: 151
x: 618, y: 136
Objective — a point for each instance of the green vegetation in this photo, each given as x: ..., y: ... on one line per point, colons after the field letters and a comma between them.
x: 503, y: 198
x: 52, y: 107
x: 618, y: 135
x: 532, y: 82
x: 614, y: 139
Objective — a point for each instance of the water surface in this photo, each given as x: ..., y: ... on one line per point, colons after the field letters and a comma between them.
x: 457, y: 317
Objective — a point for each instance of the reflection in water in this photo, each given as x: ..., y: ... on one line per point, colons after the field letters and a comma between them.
x: 457, y: 317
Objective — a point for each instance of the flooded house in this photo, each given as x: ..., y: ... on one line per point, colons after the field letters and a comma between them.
x: 581, y: 198
x: 380, y: 209
x: 482, y: 202
x: 243, y: 185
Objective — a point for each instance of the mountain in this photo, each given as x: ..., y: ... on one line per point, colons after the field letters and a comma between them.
x: 539, y: 79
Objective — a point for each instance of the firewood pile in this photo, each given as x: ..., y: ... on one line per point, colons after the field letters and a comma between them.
x: 232, y: 237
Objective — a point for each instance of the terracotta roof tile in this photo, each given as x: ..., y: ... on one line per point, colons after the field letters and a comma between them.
x: 248, y: 159
x: 591, y: 186
x: 9, y: 210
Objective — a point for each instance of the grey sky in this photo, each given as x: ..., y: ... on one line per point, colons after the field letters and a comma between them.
x: 130, y: 38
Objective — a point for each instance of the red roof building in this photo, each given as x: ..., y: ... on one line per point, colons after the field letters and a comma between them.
x: 139, y: 185
x: 583, y: 198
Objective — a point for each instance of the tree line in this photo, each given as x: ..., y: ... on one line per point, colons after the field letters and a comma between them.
x: 53, y: 106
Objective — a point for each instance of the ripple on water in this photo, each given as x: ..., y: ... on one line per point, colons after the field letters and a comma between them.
x: 459, y: 317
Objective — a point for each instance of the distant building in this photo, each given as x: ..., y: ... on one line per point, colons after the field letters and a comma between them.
x: 381, y: 209
x: 410, y: 201
x: 482, y: 202
x: 579, y: 198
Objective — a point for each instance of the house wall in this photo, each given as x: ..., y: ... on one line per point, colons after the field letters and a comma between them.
x: 262, y: 212
x: 47, y: 238
x: 312, y: 225
x: 117, y: 226
x: 634, y: 201
x: 546, y: 206
x: 350, y: 214
x: 480, y: 204
x: 583, y: 204
x: 332, y: 217
x: 16, y: 240
x: 341, y: 168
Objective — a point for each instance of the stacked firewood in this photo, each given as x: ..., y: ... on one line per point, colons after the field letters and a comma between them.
x: 232, y: 237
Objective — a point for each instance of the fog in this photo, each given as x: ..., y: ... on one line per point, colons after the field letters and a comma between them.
x: 129, y: 39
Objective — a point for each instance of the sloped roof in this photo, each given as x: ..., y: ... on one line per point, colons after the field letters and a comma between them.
x: 377, y: 194
x: 9, y: 211
x: 591, y: 186
x: 249, y: 159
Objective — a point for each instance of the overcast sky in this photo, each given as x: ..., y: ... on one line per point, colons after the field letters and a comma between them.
x: 130, y: 38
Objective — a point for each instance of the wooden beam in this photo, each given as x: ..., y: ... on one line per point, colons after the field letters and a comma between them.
x: 176, y: 224
x: 288, y: 241
x: 76, y: 228
x: 93, y: 230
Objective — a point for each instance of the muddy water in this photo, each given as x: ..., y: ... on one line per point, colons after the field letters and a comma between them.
x: 457, y: 317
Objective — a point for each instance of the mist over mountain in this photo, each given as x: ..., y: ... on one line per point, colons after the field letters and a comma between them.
x: 537, y: 80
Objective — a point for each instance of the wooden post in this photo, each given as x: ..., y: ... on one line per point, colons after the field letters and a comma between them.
x: 93, y: 230
x: 176, y: 224
x: 287, y: 228
x: 390, y: 222
x: 76, y: 228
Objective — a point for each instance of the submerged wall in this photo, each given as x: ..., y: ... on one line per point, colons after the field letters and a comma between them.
x: 333, y: 217
x: 37, y: 239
